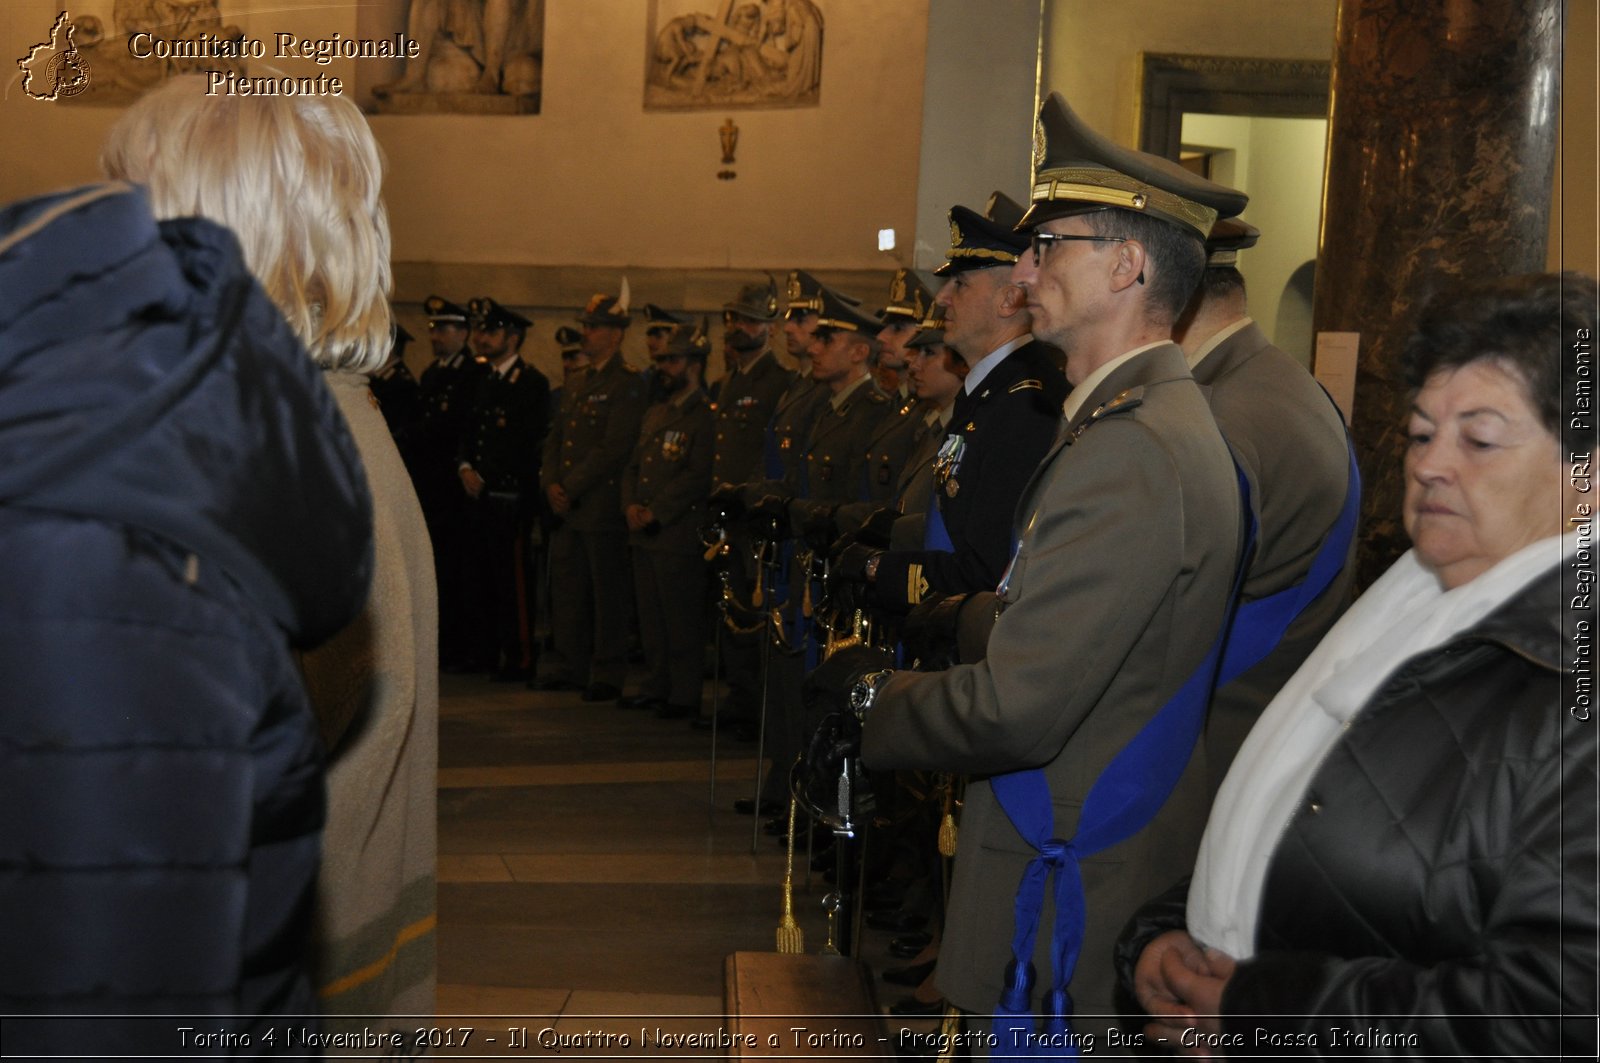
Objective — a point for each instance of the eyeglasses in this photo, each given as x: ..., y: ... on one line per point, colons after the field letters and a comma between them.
x: 1040, y: 238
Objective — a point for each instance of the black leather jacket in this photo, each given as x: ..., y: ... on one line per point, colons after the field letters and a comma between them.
x: 1434, y: 892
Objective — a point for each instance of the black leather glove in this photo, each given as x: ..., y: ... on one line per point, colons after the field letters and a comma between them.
x: 851, y: 563
x: 931, y: 633
x: 815, y: 521
x: 827, y: 688
x: 874, y: 531
x: 724, y: 504
x: 769, y: 518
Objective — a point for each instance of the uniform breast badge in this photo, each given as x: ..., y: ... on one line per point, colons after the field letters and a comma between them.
x: 948, y: 464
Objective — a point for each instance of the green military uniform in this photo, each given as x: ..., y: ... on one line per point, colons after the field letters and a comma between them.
x: 746, y: 403
x: 668, y: 475
x: 748, y: 395
x: 1128, y: 536
x: 586, y: 452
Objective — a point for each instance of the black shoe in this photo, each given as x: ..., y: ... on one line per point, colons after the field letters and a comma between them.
x: 668, y: 711
x: 601, y: 692
x: 898, y: 921
x: 553, y: 683
x: 909, y: 976
x: 746, y: 807
x: 640, y: 701
x: 511, y: 675
x: 909, y: 946
x: 913, y: 1006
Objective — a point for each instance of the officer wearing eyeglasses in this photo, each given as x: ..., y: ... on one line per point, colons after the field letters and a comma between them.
x: 1126, y: 540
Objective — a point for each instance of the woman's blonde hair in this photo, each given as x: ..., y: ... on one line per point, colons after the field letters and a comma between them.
x: 298, y: 179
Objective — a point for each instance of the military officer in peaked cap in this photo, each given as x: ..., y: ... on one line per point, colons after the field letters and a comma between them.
x: 910, y: 296
x: 396, y: 389
x: 754, y: 383
x: 1127, y: 538
x: 1290, y: 439
x: 1004, y: 420
x: 664, y: 504
x: 887, y: 449
x: 797, y: 407
x: 659, y: 325
x: 828, y: 467
x: 444, y: 399
x: 500, y: 479
x: 584, y: 456
x: 842, y: 345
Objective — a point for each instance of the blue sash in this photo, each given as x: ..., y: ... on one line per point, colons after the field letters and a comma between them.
x: 1133, y: 787
x: 935, y: 536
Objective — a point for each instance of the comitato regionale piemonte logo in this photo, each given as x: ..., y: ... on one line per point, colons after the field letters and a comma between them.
x: 55, y: 69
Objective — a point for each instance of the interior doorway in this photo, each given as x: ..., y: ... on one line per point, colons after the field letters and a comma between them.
x: 1259, y: 125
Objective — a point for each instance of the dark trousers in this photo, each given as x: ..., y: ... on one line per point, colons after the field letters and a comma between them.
x: 590, y: 595
x: 670, y: 588
x: 499, y: 582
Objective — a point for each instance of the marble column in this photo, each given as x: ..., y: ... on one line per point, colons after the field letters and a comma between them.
x: 1441, y: 147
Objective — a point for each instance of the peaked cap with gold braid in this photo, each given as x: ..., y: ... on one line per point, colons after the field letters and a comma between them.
x: 803, y: 293
x: 910, y: 297
x: 836, y: 311
x: 978, y: 243
x: 1076, y: 170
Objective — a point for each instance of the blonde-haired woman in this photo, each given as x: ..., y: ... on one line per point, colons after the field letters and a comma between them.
x: 298, y: 180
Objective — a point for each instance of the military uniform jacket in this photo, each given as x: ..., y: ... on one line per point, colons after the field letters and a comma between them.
x: 791, y: 432
x: 445, y: 395
x: 1005, y: 427
x: 592, y: 440
x: 889, y: 447
x: 1129, y: 533
x: 398, y: 396
x: 1290, y: 440
x: 912, y: 486
x: 746, y: 402
x: 836, y: 450
x: 506, y: 430
x: 668, y: 473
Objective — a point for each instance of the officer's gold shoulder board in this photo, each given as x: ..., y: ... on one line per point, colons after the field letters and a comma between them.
x: 1123, y: 402
x: 1025, y: 385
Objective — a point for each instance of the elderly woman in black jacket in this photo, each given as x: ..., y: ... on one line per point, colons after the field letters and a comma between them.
x: 1402, y: 859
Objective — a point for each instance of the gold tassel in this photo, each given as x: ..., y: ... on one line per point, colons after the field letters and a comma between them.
x: 949, y: 1027
x: 790, y: 937
x: 756, y: 596
x: 805, y: 600
x: 947, y: 825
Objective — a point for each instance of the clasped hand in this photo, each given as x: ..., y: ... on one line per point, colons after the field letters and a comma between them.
x: 1179, y: 983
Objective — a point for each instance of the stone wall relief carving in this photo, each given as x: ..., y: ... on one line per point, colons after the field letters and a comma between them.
x: 744, y: 53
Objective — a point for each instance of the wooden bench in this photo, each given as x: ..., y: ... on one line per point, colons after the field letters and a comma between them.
x: 782, y: 1004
